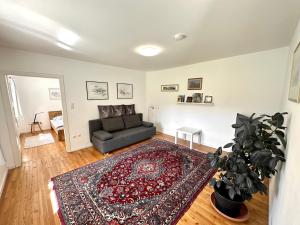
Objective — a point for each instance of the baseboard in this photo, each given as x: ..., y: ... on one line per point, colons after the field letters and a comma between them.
x: 81, y: 148
x: 2, y: 182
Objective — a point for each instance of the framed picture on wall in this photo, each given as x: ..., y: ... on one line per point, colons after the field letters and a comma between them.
x: 124, y: 91
x: 169, y: 87
x: 96, y: 90
x: 54, y: 94
x: 294, y: 91
x: 195, y: 84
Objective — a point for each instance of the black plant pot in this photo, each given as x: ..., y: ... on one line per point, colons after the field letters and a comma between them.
x: 225, y: 204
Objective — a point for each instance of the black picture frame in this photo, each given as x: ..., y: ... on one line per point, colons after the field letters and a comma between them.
x: 125, y: 95
x: 93, y: 96
x: 193, y: 83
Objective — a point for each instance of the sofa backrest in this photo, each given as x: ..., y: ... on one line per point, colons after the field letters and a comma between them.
x: 96, y: 124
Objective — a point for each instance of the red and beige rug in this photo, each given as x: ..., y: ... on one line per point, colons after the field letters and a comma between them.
x: 153, y: 184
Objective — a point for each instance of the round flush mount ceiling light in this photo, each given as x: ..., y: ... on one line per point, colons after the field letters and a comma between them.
x: 148, y: 50
x: 179, y: 36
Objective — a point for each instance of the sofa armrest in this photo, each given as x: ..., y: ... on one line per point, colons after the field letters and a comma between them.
x: 102, y: 135
x: 147, y: 124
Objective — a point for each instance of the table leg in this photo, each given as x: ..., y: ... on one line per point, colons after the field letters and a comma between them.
x: 176, y: 135
x: 191, y: 142
x: 199, y: 137
x: 39, y: 125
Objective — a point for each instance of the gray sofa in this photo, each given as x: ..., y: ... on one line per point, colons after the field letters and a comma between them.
x: 109, y: 134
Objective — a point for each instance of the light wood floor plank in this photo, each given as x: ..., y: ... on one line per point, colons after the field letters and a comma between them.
x: 26, y: 197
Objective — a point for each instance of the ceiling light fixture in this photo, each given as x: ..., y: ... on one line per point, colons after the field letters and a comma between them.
x: 179, y: 36
x: 67, y: 37
x: 149, y: 50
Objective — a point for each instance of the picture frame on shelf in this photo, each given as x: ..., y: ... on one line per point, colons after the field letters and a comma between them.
x: 189, y: 99
x: 208, y: 99
x: 170, y: 87
x: 197, y: 97
x: 294, y: 90
x: 180, y: 98
x: 195, y: 83
x: 97, y: 90
x: 124, y: 91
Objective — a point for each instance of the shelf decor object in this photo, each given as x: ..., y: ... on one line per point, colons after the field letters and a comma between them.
x: 208, y: 99
x: 180, y: 98
x: 197, y: 97
x: 195, y: 103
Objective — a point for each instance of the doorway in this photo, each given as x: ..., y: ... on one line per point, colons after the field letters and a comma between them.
x: 37, y: 112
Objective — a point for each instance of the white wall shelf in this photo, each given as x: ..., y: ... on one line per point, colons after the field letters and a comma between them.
x: 194, y: 103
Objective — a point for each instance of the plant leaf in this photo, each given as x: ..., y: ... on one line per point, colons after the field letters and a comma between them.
x: 280, y: 135
x: 231, y: 193
x: 228, y: 145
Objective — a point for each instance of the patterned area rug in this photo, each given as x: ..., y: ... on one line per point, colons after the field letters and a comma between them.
x: 153, y: 184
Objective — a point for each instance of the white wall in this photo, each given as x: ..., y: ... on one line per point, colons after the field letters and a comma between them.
x: 245, y: 84
x: 3, y: 171
x: 284, y: 188
x: 34, y: 98
x: 75, y: 73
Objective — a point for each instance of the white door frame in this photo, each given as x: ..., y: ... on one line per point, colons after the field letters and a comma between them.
x: 9, y: 113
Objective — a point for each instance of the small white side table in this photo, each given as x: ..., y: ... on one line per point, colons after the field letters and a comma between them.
x: 188, y: 131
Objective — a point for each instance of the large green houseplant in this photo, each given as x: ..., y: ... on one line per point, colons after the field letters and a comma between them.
x: 256, y: 149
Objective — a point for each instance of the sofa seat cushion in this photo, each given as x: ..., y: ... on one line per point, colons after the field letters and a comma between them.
x: 113, y: 124
x: 124, y: 138
x: 102, y: 135
x: 131, y: 121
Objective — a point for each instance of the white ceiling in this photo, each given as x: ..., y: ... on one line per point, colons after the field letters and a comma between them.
x: 110, y: 30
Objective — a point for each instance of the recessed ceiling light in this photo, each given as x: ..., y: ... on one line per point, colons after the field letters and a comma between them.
x: 179, y: 36
x: 148, y: 50
x: 67, y: 37
x: 61, y: 45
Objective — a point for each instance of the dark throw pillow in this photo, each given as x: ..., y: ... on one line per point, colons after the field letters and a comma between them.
x: 131, y: 121
x: 118, y: 110
x: 112, y: 124
x: 129, y: 109
x: 105, y: 111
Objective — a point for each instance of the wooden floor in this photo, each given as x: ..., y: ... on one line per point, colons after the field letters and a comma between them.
x: 26, y: 197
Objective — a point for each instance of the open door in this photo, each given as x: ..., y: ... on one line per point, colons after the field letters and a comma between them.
x: 15, y: 109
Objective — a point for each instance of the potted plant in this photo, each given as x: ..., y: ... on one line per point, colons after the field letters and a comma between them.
x: 256, y: 150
